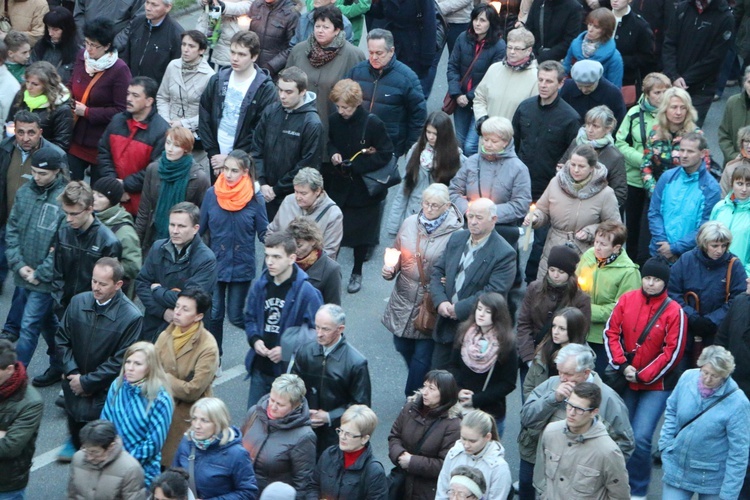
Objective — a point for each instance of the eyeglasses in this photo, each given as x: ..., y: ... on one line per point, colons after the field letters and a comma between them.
x: 92, y: 45
x: 432, y: 206
x: 460, y: 495
x: 577, y: 410
x: 515, y: 48
x: 346, y: 434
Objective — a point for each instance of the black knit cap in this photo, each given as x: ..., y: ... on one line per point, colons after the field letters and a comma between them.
x: 656, y: 267
x: 111, y: 188
x: 564, y: 258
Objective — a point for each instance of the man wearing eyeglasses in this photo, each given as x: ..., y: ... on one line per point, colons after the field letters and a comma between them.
x: 546, y: 404
x: 579, y: 456
x: 335, y: 374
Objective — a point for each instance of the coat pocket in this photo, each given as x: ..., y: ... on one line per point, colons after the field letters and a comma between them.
x: 697, y: 464
x: 551, y: 463
x: 586, y: 480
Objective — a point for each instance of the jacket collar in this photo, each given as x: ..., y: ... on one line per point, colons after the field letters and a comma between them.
x: 110, y: 311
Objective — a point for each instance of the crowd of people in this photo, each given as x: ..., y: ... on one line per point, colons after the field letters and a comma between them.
x: 141, y: 161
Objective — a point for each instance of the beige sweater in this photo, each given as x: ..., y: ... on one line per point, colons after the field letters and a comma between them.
x: 502, y: 90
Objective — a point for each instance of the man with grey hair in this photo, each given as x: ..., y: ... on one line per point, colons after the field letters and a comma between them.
x: 153, y: 40
x: 310, y: 200
x: 334, y: 372
x: 546, y: 404
x: 475, y: 260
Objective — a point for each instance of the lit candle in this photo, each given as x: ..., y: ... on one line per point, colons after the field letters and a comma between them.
x: 391, y: 257
x: 244, y: 22
x: 529, y: 230
x: 10, y: 129
x: 586, y: 279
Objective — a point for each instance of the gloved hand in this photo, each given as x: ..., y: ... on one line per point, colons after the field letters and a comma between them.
x: 479, y: 125
x: 702, y: 327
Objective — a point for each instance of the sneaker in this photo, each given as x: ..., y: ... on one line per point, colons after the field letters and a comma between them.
x: 67, y: 452
x: 50, y: 377
x: 219, y: 372
x: 515, y: 487
x: 6, y: 335
x: 355, y: 283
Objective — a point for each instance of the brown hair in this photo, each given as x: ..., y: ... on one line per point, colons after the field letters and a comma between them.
x: 742, y: 172
x: 618, y: 231
x: 182, y: 138
x: 603, y: 19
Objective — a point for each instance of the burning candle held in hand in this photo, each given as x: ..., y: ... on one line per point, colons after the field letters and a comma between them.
x: 391, y: 257
x: 529, y: 230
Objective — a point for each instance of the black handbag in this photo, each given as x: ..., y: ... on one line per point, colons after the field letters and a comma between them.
x: 378, y: 181
x: 397, y: 477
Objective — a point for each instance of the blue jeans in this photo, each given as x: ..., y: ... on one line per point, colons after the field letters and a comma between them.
x: 466, y: 133
x: 229, y: 299
x: 418, y: 356
x: 15, y: 314
x: 500, y: 423
x: 671, y: 493
x: 645, y: 408
x: 13, y: 495
x: 526, y: 481
x: 38, y: 317
x: 260, y: 385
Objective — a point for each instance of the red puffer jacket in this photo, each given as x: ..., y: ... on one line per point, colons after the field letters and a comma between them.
x: 661, y: 352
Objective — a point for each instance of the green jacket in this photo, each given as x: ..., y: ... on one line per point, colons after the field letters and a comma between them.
x: 630, y: 141
x: 605, y: 286
x: 31, y: 230
x: 120, y: 222
x: 736, y: 116
x: 20, y: 417
x: 736, y: 216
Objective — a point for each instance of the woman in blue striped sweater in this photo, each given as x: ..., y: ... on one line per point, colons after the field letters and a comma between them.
x: 140, y: 405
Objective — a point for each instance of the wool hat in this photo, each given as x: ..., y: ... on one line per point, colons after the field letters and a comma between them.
x: 111, y: 188
x: 656, y: 267
x: 278, y: 491
x: 587, y: 72
x: 47, y: 159
x: 564, y: 258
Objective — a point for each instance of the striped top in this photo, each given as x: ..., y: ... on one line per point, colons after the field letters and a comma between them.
x: 142, y: 427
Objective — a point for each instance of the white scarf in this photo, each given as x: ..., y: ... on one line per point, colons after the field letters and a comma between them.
x: 94, y: 66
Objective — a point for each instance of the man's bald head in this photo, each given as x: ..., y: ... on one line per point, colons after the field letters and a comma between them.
x: 481, y: 217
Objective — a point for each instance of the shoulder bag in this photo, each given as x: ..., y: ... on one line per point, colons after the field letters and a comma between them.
x: 426, y: 314
x: 449, y: 102
x: 397, y: 478
x: 85, y: 99
x: 614, y: 377
x: 725, y: 396
x: 191, y: 471
x: 378, y: 181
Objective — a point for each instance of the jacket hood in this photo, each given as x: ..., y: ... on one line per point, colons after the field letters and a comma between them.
x: 299, y: 277
x: 308, y: 104
x: 596, y: 430
x: 604, y: 52
x: 492, y: 452
x: 710, y: 263
x: 235, y: 439
x: 115, y: 215
x: 298, y: 417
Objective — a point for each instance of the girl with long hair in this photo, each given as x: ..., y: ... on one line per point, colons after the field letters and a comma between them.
x: 60, y: 43
x: 484, y: 359
x: 140, y: 405
x: 435, y: 157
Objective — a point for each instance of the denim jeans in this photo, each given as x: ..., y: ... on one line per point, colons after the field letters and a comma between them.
x: 466, y: 134
x: 671, y: 493
x: 15, y: 314
x: 13, y: 495
x: 418, y: 356
x: 602, y: 360
x: 38, y: 317
x: 229, y: 299
x: 645, y: 408
x: 260, y: 385
x: 526, y: 481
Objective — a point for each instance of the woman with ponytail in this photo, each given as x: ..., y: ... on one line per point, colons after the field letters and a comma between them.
x: 233, y: 214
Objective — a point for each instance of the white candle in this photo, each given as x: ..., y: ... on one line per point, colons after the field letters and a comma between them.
x: 244, y: 22
x: 10, y: 129
x: 391, y: 257
x: 529, y: 230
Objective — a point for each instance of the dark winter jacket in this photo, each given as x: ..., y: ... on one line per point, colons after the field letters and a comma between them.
x: 56, y: 124
x: 657, y: 13
x: 605, y: 93
x: 325, y: 275
x: 695, y: 45
x: 408, y: 429
x: 150, y: 48
x: 461, y: 58
x: 554, y: 23
x: 76, y: 253
x: 194, y: 268
x: 20, y: 417
x: 301, y: 303
x: 221, y: 470
x: 395, y: 95
x: 126, y: 149
x: 734, y: 334
x: 120, y: 13
x: 231, y: 236
x: 45, y: 50
x: 364, y: 480
x: 286, y: 141
x: 413, y: 36
x: 635, y: 42
x: 542, y: 134
x: 261, y: 94
x: 696, y: 272
x: 275, y: 24
x: 282, y: 449
x: 334, y: 382
x: 502, y: 381
x: 91, y: 341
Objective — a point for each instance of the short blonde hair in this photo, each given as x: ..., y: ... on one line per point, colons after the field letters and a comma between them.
x: 719, y: 358
x: 291, y: 386
x: 521, y: 35
x: 437, y: 191
x: 218, y: 414
x: 362, y: 417
x: 346, y: 90
x: 498, y: 125
x: 713, y: 232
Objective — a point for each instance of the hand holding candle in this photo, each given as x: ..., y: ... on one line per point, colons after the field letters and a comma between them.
x: 243, y: 22
x: 391, y: 257
x: 529, y: 230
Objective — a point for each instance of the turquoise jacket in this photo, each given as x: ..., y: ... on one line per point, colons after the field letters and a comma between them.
x: 736, y: 216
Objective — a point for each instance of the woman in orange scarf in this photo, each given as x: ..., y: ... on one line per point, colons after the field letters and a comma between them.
x: 232, y: 214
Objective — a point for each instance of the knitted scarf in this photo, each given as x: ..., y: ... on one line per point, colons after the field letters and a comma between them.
x: 706, y: 392
x: 180, y: 338
x: 94, y: 66
x: 479, y: 350
x: 233, y: 198
x: 306, y: 262
x: 602, y: 142
x: 320, y: 56
x: 37, y: 102
x: 431, y: 225
x: 172, y: 190
x: 16, y: 382
x: 585, y: 189
x: 202, y: 444
x: 521, y: 65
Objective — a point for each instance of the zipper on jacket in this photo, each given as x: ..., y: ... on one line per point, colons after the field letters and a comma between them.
x: 322, y: 376
x: 374, y: 90
x: 145, y: 48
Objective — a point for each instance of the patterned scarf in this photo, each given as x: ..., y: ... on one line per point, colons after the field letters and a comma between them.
x: 426, y: 157
x: 306, y: 262
x: 174, y: 176
x: 588, y: 47
x: 320, y: 56
x: 202, y: 444
x: 15, y: 383
x: 479, y: 350
x: 583, y: 138
x: 431, y: 225
x: 600, y: 263
x: 521, y: 65
x: 588, y: 187
x: 94, y: 66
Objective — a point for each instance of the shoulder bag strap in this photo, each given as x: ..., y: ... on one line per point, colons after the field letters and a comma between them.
x: 489, y: 375
x: 471, y: 66
x: 191, y: 471
x: 86, y: 92
x: 323, y: 212
x: 418, y: 254
x: 729, y: 278
x: 364, y: 129
x: 651, y: 323
x: 644, y: 137
x: 725, y: 396
x: 421, y: 441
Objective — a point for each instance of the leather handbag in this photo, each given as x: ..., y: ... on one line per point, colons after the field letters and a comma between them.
x: 449, y: 102
x: 426, y: 314
x: 377, y: 182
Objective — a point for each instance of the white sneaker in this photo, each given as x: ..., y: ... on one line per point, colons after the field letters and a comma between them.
x: 219, y: 372
x: 515, y: 487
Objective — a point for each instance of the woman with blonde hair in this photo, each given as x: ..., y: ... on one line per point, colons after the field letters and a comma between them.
x: 212, y: 453
x: 140, y: 405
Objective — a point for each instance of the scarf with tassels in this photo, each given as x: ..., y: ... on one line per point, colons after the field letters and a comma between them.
x: 174, y: 176
x: 234, y: 198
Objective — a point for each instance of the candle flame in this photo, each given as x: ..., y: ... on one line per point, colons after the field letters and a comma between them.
x: 532, y: 207
x: 497, y: 5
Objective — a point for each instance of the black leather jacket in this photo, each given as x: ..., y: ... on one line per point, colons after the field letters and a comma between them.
x: 334, y: 383
x: 76, y: 252
x: 91, y: 341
